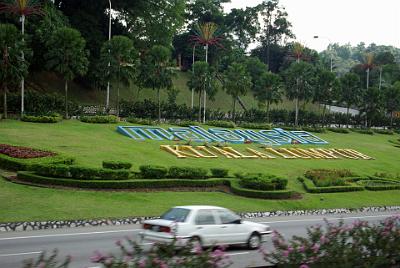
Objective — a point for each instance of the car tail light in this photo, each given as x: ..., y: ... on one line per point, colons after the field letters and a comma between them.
x: 147, y: 226
x: 165, y: 229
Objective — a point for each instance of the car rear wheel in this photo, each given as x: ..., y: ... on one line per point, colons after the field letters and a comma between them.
x: 254, y: 241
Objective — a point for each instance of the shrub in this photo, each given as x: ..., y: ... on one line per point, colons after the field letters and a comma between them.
x: 116, y: 165
x: 236, y: 188
x: 328, y: 177
x: 339, y: 130
x: 79, y: 172
x: 141, y: 121
x: 119, y: 184
x: 99, y: 119
x: 258, y: 181
x: 10, y: 163
x: 362, y: 131
x: 220, y: 123
x: 255, y: 125
x: 186, y: 123
x: 360, y: 244
x: 311, y: 188
x: 219, y: 172
x: 187, y: 172
x: 314, y: 129
x: 384, y: 131
x: 153, y: 172
x: 42, y: 118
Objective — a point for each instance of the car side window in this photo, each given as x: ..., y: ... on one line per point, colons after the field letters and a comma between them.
x: 227, y: 216
x: 204, y: 217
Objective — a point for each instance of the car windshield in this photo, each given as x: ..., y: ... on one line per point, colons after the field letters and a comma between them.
x: 176, y: 214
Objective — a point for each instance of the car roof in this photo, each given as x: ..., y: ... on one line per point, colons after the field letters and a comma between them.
x: 197, y: 207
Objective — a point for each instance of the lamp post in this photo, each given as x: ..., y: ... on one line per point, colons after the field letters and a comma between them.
x: 330, y: 49
x: 109, y: 63
x: 194, y: 49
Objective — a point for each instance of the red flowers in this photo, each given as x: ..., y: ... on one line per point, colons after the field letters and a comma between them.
x: 23, y: 152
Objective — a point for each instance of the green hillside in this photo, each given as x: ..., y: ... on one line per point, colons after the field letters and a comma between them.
x: 47, y: 82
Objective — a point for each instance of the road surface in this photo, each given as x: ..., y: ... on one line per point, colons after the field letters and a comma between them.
x: 80, y: 243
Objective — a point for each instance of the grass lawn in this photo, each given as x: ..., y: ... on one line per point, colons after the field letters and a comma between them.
x: 93, y: 143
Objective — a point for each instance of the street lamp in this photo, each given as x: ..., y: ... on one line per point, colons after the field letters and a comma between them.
x: 330, y: 49
x: 109, y: 63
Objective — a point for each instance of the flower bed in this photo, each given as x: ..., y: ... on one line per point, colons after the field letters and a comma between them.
x: 310, y: 187
x: 23, y: 152
x: 328, y: 177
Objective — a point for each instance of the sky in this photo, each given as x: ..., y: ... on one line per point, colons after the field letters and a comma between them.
x: 339, y: 21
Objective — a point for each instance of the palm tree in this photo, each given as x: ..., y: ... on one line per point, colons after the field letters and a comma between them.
x: 23, y: 8
x: 206, y: 34
x: 368, y: 65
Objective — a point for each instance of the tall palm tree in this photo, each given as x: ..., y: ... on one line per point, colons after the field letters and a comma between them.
x: 368, y: 65
x: 23, y: 8
x: 206, y: 34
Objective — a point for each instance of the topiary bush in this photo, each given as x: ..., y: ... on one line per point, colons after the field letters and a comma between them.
x: 99, y: 119
x: 187, y: 172
x: 55, y: 118
x: 219, y: 172
x: 259, y: 181
x: 153, y: 171
x: 116, y: 165
x: 221, y: 123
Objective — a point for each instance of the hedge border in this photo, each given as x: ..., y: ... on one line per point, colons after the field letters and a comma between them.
x: 18, y: 164
x: 31, y: 177
x: 311, y: 188
x: 394, y: 186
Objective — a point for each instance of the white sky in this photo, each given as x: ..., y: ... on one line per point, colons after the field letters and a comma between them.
x: 342, y: 21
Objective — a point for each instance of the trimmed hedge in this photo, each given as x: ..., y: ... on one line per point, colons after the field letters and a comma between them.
x: 16, y: 164
x: 311, y: 188
x: 259, y: 181
x: 255, y: 125
x: 221, y: 123
x: 219, y: 172
x: 41, y: 118
x: 384, y: 131
x: 116, y: 165
x: 187, y: 173
x: 153, y: 172
x: 314, y: 129
x: 99, y: 119
x: 339, y: 130
x: 279, y: 194
x: 141, y: 121
x: 362, y: 131
x: 186, y: 123
x: 79, y: 172
x: 31, y: 177
x: 115, y: 184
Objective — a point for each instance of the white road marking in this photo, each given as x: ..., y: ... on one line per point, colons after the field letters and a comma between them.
x: 237, y: 253
x: 71, y: 234
x: 22, y: 253
x: 337, y: 218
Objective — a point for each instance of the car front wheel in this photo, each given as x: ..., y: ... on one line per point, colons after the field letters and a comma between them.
x: 254, y: 241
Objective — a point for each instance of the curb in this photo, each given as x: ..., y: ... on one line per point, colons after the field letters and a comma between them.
x: 42, y: 225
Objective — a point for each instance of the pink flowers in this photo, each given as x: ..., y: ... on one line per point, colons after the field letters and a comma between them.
x: 315, y: 248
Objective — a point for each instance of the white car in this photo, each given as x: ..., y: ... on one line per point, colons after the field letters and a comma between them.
x: 204, y: 226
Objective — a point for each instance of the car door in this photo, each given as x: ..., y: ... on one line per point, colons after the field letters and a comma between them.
x: 206, y: 227
x: 232, y: 230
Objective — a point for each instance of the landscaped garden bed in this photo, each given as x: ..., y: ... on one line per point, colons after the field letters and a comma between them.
x: 23, y: 152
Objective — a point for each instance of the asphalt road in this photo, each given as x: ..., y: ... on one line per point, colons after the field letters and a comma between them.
x: 80, y: 243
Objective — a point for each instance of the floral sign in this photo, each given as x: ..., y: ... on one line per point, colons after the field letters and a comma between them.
x: 276, y: 136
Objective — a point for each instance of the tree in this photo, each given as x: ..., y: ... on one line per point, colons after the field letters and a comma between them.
x: 326, y: 89
x: 119, y: 61
x: 372, y: 104
x: 276, y: 25
x: 23, y: 8
x: 206, y: 34
x: 67, y: 56
x: 236, y: 83
x: 391, y: 95
x: 268, y: 90
x: 350, y: 92
x: 13, y: 67
x: 159, y: 76
x: 299, y: 80
x: 199, y: 80
x: 255, y: 68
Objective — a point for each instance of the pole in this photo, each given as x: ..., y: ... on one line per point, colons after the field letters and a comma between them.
x: 194, y: 49
x: 109, y: 63
x: 205, y: 91
x: 23, y: 59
